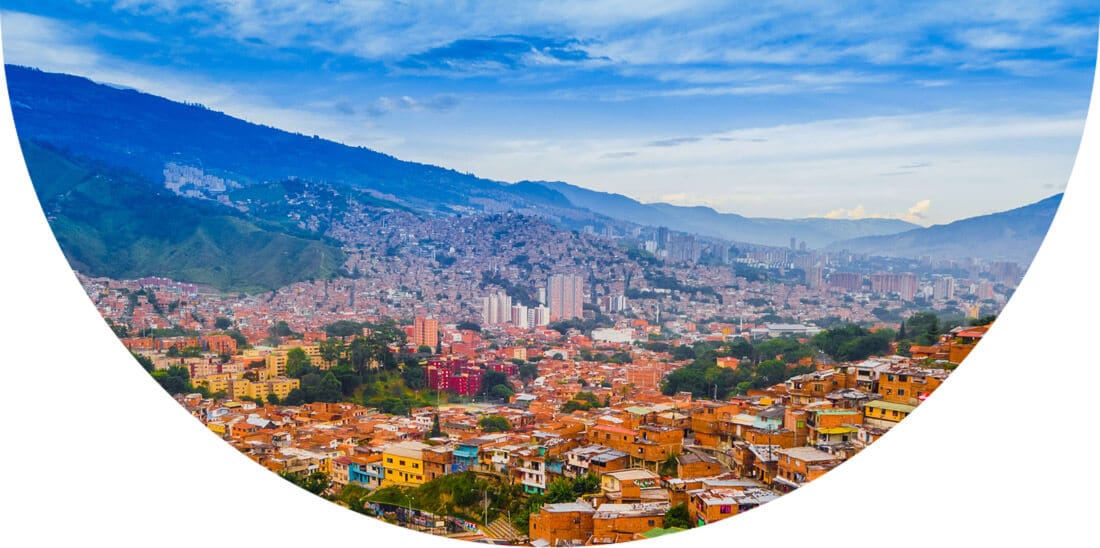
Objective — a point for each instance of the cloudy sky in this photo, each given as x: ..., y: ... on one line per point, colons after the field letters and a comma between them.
x: 928, y: 113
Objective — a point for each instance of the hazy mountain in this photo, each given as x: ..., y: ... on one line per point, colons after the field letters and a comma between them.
x: 145, y: 134
x: 704, y: 220
x: 1013, y: 235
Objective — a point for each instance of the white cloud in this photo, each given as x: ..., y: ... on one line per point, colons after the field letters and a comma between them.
x: 914, y: 214
x: 974, y: 162
x: 652, y: 33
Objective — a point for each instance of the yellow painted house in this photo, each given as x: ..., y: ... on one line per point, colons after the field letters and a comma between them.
x: 403, y: 463
x: 885, y: 414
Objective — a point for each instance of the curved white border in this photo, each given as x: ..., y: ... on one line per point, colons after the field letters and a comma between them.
x: 92, y: 451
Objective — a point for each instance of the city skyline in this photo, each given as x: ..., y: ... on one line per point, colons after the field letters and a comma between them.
x: 876, y: 114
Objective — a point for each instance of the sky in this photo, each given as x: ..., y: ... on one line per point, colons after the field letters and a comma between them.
x: 927, y: 113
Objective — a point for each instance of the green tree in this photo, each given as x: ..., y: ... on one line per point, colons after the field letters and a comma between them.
x: 677, y: 516
x: 222, y: 323
x: 120, y: 330
x: 242, y: 341
x: 295, y: 397
x: 343, y: 328
x: 490, y: 379
x: 501, y: 392
x: 297, y: 362
x: 315, y: 483
x: 468, y: 326
x: 414, y: 376
x: 494, y: 423
x: 669, y: 466
x: 923, y: 328
x: 436, y: 431
x: 560, y: 490
x: 174, y: 380
x: 984, y: 320
x: 588, y: 483
x: 332, y: 350
x: 144, y: 361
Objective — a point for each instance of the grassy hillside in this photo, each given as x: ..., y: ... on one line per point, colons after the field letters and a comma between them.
x: 116, y: 224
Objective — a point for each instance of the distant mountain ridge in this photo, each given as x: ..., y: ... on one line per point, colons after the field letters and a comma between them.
x: 144, y: 133
x: 816, y: 232
x: 1013, y: 235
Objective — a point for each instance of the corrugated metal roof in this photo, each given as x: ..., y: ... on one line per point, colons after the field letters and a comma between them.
x: 879, y: 404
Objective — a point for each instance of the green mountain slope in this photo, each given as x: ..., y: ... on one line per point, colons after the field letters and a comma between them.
x: 116, y: 224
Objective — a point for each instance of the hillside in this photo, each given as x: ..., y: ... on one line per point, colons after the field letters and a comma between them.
x: 112, y: 223
x: 145, y: 134
x: 1013, y: 235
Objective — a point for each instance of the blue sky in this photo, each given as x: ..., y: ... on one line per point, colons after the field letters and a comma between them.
x: 801, y: 109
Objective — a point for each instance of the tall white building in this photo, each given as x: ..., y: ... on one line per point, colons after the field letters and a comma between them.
x: 566, y: 296
x: 496, y: 308
x: 520, y: 316
x: 944, y: 290
x: 538, y: 316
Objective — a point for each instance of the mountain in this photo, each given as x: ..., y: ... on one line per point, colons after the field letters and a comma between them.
x: 708, y: 222
x: 1013, y: 235
x: 109, y: 222
x: 159, y: 139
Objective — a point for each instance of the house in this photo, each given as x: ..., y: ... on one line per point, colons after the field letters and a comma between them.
x: 799, y: 465
x: 831, y: 426
x: 885, y: 414
x: 614, y: 522
x: 711, y: 504
x: 694, y: 465
x: 366, y: 470
x: 437, y: 461
x: 530, y: 469
x: 597, y: 459
x: 404, y: 463
x: 632, y: 485
x: 909, y: 385
x: 559, y: 523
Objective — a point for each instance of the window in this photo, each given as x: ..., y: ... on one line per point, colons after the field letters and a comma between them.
x: 389, y: 460
x: 725, y: 509
x: 901, y: 391
x: 651, y: 523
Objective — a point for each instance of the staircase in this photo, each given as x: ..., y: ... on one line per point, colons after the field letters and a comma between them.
x: 502, y: 529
